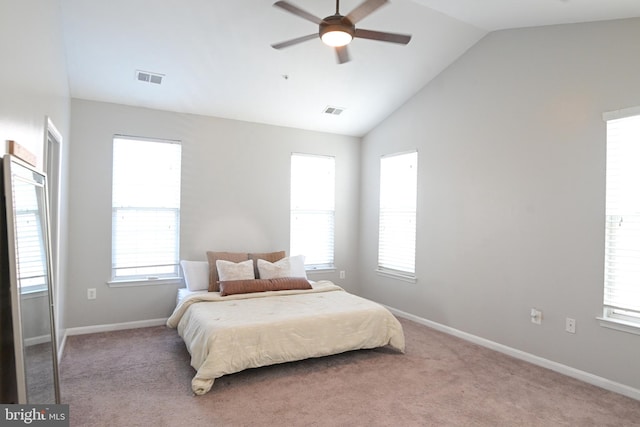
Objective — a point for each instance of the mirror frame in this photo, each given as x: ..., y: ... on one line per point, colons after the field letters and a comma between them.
x: 10, y: 164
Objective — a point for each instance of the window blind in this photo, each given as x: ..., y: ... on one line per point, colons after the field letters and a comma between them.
x: 397, y: 227
x: 313, y: 209
x: 30, y: 244
x: 622, y: 225
x: 145, y: 209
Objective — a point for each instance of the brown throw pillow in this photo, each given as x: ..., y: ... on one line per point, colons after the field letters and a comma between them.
x: 267, y: 256
x: 212, y: 257
x: 232, y: 287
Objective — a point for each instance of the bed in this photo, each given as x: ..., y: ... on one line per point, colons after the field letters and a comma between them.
x: 225, y: 334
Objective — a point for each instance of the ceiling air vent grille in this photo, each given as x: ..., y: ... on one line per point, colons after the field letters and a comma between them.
x: 334, y: 111
x: 146, y: 76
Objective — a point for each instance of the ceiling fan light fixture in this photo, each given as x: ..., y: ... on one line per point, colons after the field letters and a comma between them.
x: 337, y: 30
x: 336, y: 38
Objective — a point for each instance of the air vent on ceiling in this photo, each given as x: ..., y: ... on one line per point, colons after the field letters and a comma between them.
x: 146, y: 76
x: 335, y: 111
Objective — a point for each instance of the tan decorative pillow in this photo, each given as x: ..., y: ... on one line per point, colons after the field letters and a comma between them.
x: 212, y: 257
x: 232, y: 287
x: 267, y: 256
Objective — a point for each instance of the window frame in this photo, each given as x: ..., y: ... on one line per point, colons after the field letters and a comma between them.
x: 171, y: 277
x: 328, y: 211
x: 615, y: 316
x: 387, y: 270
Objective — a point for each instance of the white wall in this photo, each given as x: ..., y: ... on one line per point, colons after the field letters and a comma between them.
x: 511, y: 147
x: 33, y: 85
x: 235, y: 197
x: 33, y: 76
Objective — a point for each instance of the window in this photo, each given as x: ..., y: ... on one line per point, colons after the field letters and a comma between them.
x: 313, y: 209
x: 30, y: 241
x: 145, y: 209
x: 397, y: 228
x: 622, y: 224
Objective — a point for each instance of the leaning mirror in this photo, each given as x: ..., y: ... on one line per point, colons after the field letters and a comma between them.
x: 30, y: 277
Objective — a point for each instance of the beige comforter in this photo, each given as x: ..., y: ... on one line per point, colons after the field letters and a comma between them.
x: 236, y: 332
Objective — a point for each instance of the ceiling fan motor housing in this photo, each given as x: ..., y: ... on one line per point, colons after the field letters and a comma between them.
x: 337, y: 23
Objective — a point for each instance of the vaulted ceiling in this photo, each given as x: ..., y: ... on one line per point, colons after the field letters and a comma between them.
x: 216, y: 59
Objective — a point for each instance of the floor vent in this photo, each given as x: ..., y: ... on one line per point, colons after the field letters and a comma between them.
x: 145, y: 76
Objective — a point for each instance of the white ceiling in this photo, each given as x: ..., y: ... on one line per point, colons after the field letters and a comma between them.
x: 217, y: 59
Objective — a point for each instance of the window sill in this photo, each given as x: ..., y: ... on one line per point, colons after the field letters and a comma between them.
x: 320, y: 270
x: 399, y: 276
x: 620, y: 325
x: 34, y: 293
x: 144, y: 282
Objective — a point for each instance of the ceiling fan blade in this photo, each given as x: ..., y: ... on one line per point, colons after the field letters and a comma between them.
x: 365, y: 9
x: 294, y: 41
x: 343, y: 54
x: 382, y: 36
x: 297, y: 11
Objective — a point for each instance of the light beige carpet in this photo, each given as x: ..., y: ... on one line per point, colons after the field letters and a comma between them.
x: 142, y: 377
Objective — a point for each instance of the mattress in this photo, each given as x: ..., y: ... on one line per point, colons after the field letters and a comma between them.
x: 184, y: 292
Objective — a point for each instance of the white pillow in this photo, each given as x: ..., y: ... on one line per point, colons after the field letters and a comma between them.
x: 286, y: 267
x: 196, y: 274
x: 228, y: 270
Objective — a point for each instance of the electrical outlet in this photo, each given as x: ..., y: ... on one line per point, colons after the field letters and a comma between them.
x: 342, y: 274
x: 570, y: 325
x: 536, y: 316
x: 91, y: 293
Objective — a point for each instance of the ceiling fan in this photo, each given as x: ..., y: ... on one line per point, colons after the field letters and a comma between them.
x: 338, y: 31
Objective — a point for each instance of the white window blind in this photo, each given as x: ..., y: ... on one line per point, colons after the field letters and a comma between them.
x: 146, y: 209
x: 622, y: 229
x: 313, y: 209
x: 30, y: 245
x: 397, y: 228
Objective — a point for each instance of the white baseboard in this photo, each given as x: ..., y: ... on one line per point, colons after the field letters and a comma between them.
x: 527, y: 357
x: 37, y: 340
x: 82, y: 330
